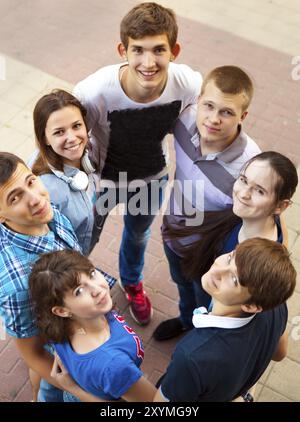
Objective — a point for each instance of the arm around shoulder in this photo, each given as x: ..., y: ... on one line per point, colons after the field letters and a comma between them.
x: 36, y: 357
x: 41, y: 361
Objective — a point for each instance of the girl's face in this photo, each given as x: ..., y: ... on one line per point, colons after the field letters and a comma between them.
x: 90, y: 299
x: 254, y: 191
x: 67, y: 135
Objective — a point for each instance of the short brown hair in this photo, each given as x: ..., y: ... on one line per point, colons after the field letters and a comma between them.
x: 149, y: 19
x: 231, y: 80
x: 46, y: 105
x: 8, y: 164
x: 265, y: 268
x: 51, y: 277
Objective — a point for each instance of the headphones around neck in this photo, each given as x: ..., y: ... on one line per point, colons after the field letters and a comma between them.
x: 86, y: 163
x: 80, y: 181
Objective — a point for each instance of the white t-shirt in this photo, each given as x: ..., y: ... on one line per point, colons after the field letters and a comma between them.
x: 128, y: 136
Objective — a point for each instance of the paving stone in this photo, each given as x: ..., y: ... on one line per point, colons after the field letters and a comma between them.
x: 12, y: 383
x: 23, y: 121
x: 292, y: 235
x: 3, y: 343
x: 7, y: 111
x: 11, y: 139
x: 267, y: 372
x: 292, y: 217
x: 294, y: 305
x: 296, y: 249
x: 25, y: 394
x: 258, y: 390
x: 164, y: 304
x: 154, y: 359
x: 161, y: 280
x: 284, y: 379
x: 9, y: 358
x: 296, y: 264
x: 294, y: 341
x: 269, y: 395
x: 154, y: 377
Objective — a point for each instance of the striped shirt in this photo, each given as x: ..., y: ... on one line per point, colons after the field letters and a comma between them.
x: 18, y: 252
x: 202, y: 182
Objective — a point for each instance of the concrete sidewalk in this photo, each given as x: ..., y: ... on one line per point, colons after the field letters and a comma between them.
x: 66, y: 40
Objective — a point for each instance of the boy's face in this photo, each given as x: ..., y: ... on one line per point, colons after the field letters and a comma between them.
x: 24, y: 202
x: 148, y: 61
x: 219, y: 115
x: 222, y: 284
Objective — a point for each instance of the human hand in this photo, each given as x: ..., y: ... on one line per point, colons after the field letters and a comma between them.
x: 61, y: 376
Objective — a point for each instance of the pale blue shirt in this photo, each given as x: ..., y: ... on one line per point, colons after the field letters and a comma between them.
x: 77, y: 206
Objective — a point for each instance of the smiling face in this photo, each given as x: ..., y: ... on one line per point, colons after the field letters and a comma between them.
x: 222, y: 283
x: 66, y: 134
x: 254, y: 191
x: 90, y: 299
x: 218, y: 117
x: 25, y: 203
x: 148, y: 60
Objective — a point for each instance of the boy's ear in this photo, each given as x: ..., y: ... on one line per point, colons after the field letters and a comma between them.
x: 175, y: 50
x: 122, y: 50
x: 244, y: 115
x: 251, y: 309
x: 61, y: 312
x: 281, y: 206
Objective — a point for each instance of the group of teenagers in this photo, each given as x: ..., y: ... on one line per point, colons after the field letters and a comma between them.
x: 233, y: 272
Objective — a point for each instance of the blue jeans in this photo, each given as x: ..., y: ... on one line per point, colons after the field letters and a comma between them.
x: 68, y: 397
x: 191, y: 293
x: 49, y: 393
x: 137, y: 224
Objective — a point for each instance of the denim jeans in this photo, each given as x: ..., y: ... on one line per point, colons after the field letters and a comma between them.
x: 49, y: 393
x: 137, y: 224
x: 68, y: 397
x: 191, y: 293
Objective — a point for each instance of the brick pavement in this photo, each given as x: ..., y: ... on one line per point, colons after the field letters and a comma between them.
x: 66, y: 40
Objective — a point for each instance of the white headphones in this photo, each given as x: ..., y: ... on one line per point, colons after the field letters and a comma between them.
x: 80, y: 181
x: 86, y: 163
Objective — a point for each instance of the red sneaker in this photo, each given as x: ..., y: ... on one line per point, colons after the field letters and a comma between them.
x: 140, y: 306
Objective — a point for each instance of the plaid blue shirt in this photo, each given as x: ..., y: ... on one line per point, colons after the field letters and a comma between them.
x: 18, y: 252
